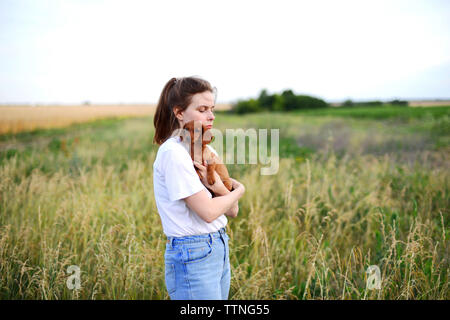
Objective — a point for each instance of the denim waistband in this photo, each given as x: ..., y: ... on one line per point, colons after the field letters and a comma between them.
x: 196, y: 238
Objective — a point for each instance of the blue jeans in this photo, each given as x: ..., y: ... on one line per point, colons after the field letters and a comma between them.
x: 198, y: 267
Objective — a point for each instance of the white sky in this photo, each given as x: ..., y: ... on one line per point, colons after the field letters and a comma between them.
x: 125, y: 51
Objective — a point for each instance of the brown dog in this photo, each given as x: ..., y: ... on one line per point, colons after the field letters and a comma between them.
x: 201, y: 136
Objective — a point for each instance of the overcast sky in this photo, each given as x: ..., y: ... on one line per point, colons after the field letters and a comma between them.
x: 125, y: 51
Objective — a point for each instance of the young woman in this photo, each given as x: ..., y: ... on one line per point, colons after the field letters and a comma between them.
x: 197, y: 256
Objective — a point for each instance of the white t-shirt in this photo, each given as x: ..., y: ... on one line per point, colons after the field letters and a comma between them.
x: 175, y: 178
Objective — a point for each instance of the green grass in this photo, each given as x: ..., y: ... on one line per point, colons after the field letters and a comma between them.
x: 350, y: 192
x: 376, y: 112
x: 381, y: 112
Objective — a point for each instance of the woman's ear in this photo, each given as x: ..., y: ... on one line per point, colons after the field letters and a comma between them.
x: 178, y: 114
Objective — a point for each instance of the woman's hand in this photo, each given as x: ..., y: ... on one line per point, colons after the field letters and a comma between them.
x: 236, y: 184
x: 218, y: 187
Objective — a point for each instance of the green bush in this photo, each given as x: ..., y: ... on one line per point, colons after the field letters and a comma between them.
x: 265, y: 100
x: 246, y: 106
x: 351, y: 103
x: 348, y: 103
x: 307, y: 102
x: 286, y: 101
x: 278, y: 103
x: 374, y: 103
x: 397, y: 102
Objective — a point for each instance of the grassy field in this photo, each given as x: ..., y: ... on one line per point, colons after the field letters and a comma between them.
x: 354, y: 189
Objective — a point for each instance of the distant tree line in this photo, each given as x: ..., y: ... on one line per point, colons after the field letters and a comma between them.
x: 375, y: 103
x: 289, y: 101
x: 286, y: 101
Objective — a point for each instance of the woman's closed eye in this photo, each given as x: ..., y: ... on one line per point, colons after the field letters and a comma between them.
x: 202, y: 110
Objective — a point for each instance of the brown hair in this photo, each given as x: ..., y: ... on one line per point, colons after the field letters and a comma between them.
x: 177, y: 92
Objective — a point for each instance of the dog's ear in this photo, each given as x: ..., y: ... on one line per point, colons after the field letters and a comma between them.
x: 195, y: 128
x: 185, y: 134
x: 189, y: 125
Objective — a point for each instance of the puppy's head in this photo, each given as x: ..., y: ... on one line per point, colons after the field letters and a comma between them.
x: 195, y: 131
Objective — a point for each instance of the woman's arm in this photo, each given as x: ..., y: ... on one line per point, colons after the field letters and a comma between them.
x: 209, y: 209
x: 219, y: 189
x: 233, y: 212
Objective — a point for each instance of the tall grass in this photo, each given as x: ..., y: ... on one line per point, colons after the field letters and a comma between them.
x: 308, y: 232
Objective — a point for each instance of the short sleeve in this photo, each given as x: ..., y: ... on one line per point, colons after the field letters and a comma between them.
x: 180, y: 176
